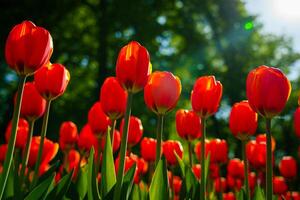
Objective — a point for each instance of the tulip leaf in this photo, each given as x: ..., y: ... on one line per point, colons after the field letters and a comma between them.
x: 136, y: 193
x: 49, y: 172
x: 159, y: 185
x: 93, y: 191
x: 42, y: 189
x: 9, y: 189
x: 62, y: 187
x: 181, y: 164
x: 206, y: 162
x: 82, y: 182
x: 108, y: 176
x: 258, y: 193
x: 240, y: 195
x: 128, y: 182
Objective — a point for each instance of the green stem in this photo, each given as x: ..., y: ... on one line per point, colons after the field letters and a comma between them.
x: 159, y: 131
x: 269, y: 173
x: 117, y: 192
x: 203, y: 184
x: 97, y: 168
x: 12, y: 139
x: 171, y: 184
x: 112, y: 130
x: 26, y: 152
x: 43, y: 135
x: 246, y: 170
x: 190, y: 153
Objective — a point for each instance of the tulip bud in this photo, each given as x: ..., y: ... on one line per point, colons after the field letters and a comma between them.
x: 22, y: 133
x: 188, y: 124
x: 117, y: 141
x: 3, y: 150
x: 87, y: 139
x: 268, y: 90
x: 148, y: 149
x: 135, y: 130
x: 68, y: 135
x: 288, y: 167
x: 162, y: 92
x: 220, y: 184
x: 169, y: 148
x: 28, y: 47
x: 133, y: 67
x: 235, y: 168
x: 98, y: 120
x: 228, y: 196
x: 279, y: 185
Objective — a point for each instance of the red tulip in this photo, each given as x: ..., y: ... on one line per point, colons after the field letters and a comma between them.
x: 117, y: 141
x: 220, y: 184
x: 129, y: 162
x: 279, y: 185
x: 52, y: 80
x: 148, y: 149
x: 297, y: 122
x: 98, y: 120
x: 87, y: 139
x: 228, y: 196
x: 135, y: 130
x: 292, y: 196
x: 268, y: 90
x: 113, y: 98
x: 262, y: 138
x: 256, y: 154
x: 68, y: 135
x: 234, y: 183
x: 49, y: 151
x: 188, y: 124
x: 73, y: 161
x: 197, y: 149
x: 3, y: 150
x: 177, y: 182
x: 206, y: 96
x: 33, y: 104
x: 169, y: 148
x: 242, y: 120
x: 288, y: 167
x: 252, y: 180
x: 133, y: 67
x: 217, y: 149
x: 22, y: 133
x: 197, y: 171
x: 214, y: 171
x: 162, y: 92
x: 235, y: 168
x: 28, y: 47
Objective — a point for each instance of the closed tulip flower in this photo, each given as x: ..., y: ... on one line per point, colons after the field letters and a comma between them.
x: 220, y: 184
x: 188, y: 124
x: 73, y: 161
x: 162, y: 92
x: 33, y: 104
x: 28, y: 47
x: 113, y: 98
x: 22, y: 133
x: 242, y: 120
x: 135, y: 131
x: 3, y: 150
x: 169, y: 149
x: 235, y: 168
x: 197, y: 149
x: 279, y: 185
x: 206, y: 96
x: 177, y: 183
x: 256, y: 154
x: 197, y: 171
x: 87, y: 139
x: 268, y: 90
x: 98, y: 120
x: 50, y: 150
x: 68, y: 135
x: 297, y: 122
x: 133, y: 67
x: 288, y: 167
x: 52, y: 80
x: 117, y: 141
x: 229, y: 196
x: 148, y: 150
x: 262, y: 138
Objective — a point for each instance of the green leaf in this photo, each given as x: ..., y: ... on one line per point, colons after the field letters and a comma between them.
x: 39, y: 191
x: 159, y: 185
x: 258, y: 193
x: 9, y: 189
x: 128, y: 182
x: 49, y: 172
x: 207, y: 166
x: 93, y: 192
x: 82, y: 182
x: 136, y: 195
x: 108, y: 176
x: 61, y: 188
x: 181, y: 164
x: 241, y: 194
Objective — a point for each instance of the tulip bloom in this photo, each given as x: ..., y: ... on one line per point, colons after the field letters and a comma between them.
x: 50, y: 150
x: 262, y: 138
x: 3, y: 150
x: 279, y: 185
x: 228, y: 196
x: 297, y: 122
x: 169, y: 149
x: 113, y: 98
x: 242, y: 120
x: 220, y: 184
x: 98, y: 120
x: 235, y: 168
x: 162, y: 92
x: 197, y: 171
x: 73, y: 160
x: 268, y: 90
x: 148, y: 150
x: 116, y: 143
x: 177, y: 183
x: 217, y: 149
x: 52, y: 80
x: 129, y: 162
x: 22, y: 133
x: 87, y: 139
x: 135, y: 131
x: 188, y: 124
x: 288, y: 167
x: 206, y: 96
x: 33, y: 104
x: 68, y: 135
x: 133, y: 67
x: 28, y: 47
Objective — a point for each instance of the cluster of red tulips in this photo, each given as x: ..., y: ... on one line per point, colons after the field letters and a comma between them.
x: 99, y: 155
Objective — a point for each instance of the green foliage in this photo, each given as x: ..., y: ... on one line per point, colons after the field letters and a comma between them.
x: 93, y: 191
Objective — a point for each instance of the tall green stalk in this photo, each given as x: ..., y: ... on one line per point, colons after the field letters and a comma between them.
x: 112, y: 130
x: 26, y: 152
x: 159, y: 131
x: 203, y: 184
x: 246, y: 170
x: 269, y: 173
x: 117, y: 192
x: 13, y: 136
x: 190, y: 153
x: 40, y: 152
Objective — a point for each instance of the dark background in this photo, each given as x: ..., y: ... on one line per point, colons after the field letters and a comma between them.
x: 189, y: 38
